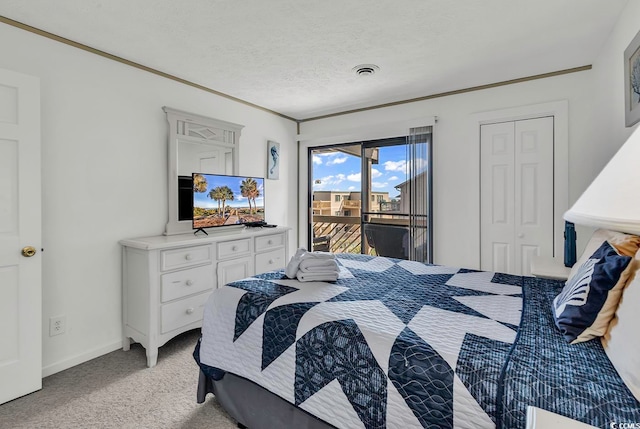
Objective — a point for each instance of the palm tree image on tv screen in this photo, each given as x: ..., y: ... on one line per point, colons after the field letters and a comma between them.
x: 220, y: 200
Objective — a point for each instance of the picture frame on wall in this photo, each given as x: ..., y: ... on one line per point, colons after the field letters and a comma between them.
x: 273, y: 160
x: 632, y: 82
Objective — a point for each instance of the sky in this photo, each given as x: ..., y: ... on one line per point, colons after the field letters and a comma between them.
x: 233, y: 182
x: 339, y: 171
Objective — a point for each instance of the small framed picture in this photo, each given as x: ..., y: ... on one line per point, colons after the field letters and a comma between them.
x: 632, y: 82
x: 273, y: 160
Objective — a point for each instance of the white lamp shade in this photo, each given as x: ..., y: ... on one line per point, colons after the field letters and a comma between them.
x: 612, y: 201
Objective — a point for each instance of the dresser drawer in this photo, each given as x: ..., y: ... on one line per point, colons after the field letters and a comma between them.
x: 184, y: 312
x: 234, y: 269
x: 269, y: 242
x: 185, y: 257
x: 235, y: 248
x: 186, y: 282
x: 270, y: 261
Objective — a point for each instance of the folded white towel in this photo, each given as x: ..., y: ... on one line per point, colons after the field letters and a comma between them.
x: 294, y: 263
x: 303, y: 254
x: 317, y: 277
x: 318, y: 264
x: 319, y: 270
x: 318, y: 255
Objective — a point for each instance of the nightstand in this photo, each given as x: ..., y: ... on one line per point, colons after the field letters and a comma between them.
x: 550, y: 268
x: 538, y: 418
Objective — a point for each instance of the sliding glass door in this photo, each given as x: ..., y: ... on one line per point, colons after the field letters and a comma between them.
x: 373, y: 197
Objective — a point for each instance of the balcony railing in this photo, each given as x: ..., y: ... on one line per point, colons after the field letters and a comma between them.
x: 321, y: 204
x: 351, y: 204
x: 342, y: 232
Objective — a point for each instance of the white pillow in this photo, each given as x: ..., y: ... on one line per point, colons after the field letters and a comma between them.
x: 622, y: 341
x: 625, y: 244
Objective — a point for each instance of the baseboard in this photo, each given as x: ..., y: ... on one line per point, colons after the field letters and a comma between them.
x: 80, y: 358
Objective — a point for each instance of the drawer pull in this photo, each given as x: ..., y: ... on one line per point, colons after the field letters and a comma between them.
x: 189, y: 282
x: 190, y: 310
x: 271, y: 261
x: 234, y: 248
x: 187, y: 256
x: 270, y: 242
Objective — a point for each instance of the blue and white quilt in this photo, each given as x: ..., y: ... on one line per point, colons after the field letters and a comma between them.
x: 392, y: 343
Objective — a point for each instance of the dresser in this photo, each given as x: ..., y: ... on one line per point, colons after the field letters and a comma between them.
x: 168, y: 279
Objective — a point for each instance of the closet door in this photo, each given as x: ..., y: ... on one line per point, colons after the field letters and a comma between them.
x: 516, y: 194
x: 533, y: 191
x: 497, y: 196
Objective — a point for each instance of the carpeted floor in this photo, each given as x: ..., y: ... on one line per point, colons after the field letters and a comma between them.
x: 117, y: 390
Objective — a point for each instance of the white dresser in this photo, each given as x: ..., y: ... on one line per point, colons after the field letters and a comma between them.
x: 168, y: 279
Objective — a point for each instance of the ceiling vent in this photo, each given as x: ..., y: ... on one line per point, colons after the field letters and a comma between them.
x: 366, y: 69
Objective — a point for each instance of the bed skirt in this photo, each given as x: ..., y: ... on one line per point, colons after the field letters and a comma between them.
x: 239, y: 396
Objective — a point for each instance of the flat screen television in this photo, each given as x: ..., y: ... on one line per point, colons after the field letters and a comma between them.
x: 223, y: 200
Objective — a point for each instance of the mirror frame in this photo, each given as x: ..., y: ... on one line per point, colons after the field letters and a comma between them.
x: 192, y: 127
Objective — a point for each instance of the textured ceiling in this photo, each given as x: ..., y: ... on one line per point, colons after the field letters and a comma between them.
x: 296, y: 57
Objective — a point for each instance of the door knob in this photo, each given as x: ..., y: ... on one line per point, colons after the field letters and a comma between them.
x: 521, y: 235
x: 28, y: 251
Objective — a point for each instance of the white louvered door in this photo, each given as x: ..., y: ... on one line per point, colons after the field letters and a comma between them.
x: 20, y: 226
x: 516, y: 194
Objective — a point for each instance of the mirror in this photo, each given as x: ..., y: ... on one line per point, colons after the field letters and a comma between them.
x: 197, y: 144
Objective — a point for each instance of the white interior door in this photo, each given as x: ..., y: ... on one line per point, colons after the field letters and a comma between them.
x: 516, y: 193
x: 20, y: 226
x: 534, y: 191
x: 497, y: 196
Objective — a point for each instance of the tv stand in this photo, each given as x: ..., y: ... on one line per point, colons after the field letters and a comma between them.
x: 200, y: 229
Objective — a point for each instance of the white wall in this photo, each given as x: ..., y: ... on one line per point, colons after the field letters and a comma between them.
x: 104, y: 156
x: 456, y: 150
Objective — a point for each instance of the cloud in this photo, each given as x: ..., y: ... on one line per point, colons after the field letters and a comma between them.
x: 328, y: 181
x: 419, y: 165
x: 396, y: 165
x: 393, y: 178
x: 378, y: 184
x: 317, y: 160
x: 375, y: 173
x: 351, y: 188
x: 356, y: 177
x: 337, y: 161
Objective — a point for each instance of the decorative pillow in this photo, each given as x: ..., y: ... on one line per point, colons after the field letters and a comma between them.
x: 621, y: 341
x: 589, y: 299
x: 625, y: 244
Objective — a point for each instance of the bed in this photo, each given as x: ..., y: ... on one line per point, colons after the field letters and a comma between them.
x: 400, y: 344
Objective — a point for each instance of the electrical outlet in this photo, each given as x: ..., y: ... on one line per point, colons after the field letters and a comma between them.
x: 57, y: 325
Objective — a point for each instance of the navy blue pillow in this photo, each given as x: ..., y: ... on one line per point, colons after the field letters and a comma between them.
x: 584, y: 295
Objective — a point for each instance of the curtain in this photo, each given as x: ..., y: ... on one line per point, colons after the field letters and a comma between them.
x: 419, y: 162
